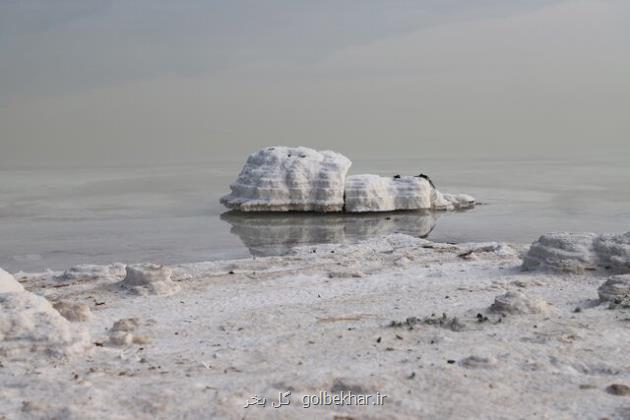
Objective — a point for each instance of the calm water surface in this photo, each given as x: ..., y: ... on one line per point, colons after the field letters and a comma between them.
x: 55, y: 218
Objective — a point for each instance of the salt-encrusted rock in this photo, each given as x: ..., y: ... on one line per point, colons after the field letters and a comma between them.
x: 84, y: 272
x: 30, y: 326
x: 562, y: 251
x: 519, y: 303
x: 615, y: 288
x: 75, y: 312
x: 301, y: 179
x: 454, y: 202
x: 290, y: 179
x: 576, y: 252
x: 123, y: 331
x: 613, y: 251
x: 365, y: 193
x: 370, y: 193
x: 149, y: 279
x: 120, y: 338
x: 8, y: 283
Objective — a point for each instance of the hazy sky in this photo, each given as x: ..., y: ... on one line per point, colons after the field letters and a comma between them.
x: 110, y: 81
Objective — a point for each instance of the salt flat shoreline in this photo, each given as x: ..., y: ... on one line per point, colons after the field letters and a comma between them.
x: 400, y: 316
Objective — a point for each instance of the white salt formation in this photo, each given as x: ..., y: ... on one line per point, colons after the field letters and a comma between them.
x: 376, y: 193
x: 224, y: 334
x: 290, y: 179
x: 85, y: 272
x: 302, y: 179
x: 75, y: 312
x: 367, y: 193
x: 613, y: 251
x: 149, y: 279
x: 615, y: 288
x: 30, y: 326
x: 123, y: 333
x: 562, y: 251
x: 519, y: 303
x: 8, y: 283
x: 577, y: 252
x: 454, y: 202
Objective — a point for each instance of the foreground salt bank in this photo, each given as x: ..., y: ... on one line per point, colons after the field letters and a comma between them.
x: 285, y: 179
x: 443, y: 330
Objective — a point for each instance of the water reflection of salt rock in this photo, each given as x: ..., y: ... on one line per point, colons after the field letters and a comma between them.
x: 290, y: 179
x: 365, y: 193
x: 276, y: 234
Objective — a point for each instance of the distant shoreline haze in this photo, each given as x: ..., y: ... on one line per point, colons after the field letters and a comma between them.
x: 155, y: 82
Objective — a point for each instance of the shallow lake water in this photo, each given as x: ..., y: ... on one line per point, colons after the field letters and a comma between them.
x: 58, y: 217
